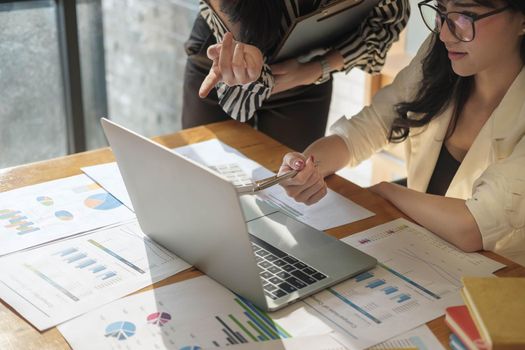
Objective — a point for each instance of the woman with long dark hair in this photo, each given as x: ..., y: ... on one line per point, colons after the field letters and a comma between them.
x: 228, y: 73
x: 459, y: 107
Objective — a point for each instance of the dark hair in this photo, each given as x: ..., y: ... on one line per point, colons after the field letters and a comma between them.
x: 260, y: 21
x: 440, y: 86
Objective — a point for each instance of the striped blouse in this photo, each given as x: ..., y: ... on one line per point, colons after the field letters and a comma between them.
x: 365, y: 49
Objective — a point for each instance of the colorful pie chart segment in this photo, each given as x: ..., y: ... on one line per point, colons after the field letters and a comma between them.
x: 159, y: 318
x: 121, y: 330
x: 102, y: 201
x: 64, y: 215
x: 44, y: 200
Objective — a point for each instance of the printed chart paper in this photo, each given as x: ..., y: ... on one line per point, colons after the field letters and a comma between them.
x: 420, y: 338
x: 193, y: 314
x: 418, y: 276
x: 318, y: 342
x: 56, y: 282
x: 37, y: 214
x: 108, y: 176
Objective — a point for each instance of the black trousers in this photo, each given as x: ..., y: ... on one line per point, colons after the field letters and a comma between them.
x: 296, y: 117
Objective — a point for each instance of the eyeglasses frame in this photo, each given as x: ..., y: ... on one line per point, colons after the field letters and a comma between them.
x: 444, y: 18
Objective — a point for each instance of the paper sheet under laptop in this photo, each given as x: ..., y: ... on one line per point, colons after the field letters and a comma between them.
x: 332, y: 211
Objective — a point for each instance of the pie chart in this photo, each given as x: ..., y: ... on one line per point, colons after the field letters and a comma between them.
x: 102, y: 201
x: 44, y: 200
x: 121, y: 330
x: 159, y: 318
x: 64, y: 215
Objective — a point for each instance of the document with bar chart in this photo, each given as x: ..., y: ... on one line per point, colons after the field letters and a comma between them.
x: 193, y: 314
x: 56, y: 282
x: 417, y: 277
x: 41, y: 213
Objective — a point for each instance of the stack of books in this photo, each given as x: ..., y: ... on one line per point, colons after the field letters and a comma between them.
x: 493, y: 316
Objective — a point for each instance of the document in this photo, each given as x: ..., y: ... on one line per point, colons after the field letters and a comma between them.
x: 193, y: 314
x: 37, y: 214
x: 420, y: 254
x: 332, y: 211
x: 420, y: 338
x: 418, y: 276
x: 318, y: 342
x: 56, y: 282
x: 108, y: 176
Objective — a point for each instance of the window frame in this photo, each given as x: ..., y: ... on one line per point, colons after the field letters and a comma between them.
x: 69, y: 47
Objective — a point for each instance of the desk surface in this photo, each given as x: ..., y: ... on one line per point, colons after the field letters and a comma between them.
x: 16, y: 333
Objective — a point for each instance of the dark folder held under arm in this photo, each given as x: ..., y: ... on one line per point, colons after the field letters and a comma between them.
x: 322, y: 28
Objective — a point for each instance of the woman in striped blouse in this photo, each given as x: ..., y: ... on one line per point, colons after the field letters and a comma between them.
x: 281, y: 100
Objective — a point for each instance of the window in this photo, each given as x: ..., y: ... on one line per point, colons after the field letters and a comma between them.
x: 32, y: 111
x: 67, y: 63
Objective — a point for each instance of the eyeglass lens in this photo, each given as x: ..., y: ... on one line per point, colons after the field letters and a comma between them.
x: 460, y: 25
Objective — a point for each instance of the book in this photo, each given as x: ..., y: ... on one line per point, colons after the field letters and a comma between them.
x: 455, y: 343
x: 458, y: 320
x: 497, y: 306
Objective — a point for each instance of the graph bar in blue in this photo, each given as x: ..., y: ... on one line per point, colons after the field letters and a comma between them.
x: 27, y: 230
x: 403, y: 297
x: 375, y: 284
x: 108, y: 275
x: 76, y: 257
x: 354, y: 306
x: 364, y: 276
x: 409, y: 281
x: 18, y: 219
x: 260, y: 325
x: 267, y: 320
x: 67, y: 251
x: 86, y: 263
x: 389, y: 290
x: 98, y: 268
x: 6, y: 214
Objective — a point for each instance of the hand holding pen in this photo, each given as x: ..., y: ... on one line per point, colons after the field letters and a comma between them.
x: 308, y: 185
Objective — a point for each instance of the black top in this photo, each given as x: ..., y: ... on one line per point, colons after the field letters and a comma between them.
x: 446, y: 168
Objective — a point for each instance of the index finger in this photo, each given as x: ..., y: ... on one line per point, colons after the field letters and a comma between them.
x: 209, y: 82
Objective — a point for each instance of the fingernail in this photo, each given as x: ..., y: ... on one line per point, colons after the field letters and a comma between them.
x: 298, y: 164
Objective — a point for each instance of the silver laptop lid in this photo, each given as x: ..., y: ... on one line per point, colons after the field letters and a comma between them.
x: 203, y: 224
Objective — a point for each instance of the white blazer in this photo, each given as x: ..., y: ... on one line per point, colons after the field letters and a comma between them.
x: 491, y: 177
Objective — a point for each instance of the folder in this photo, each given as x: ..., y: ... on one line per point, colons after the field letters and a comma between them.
x: 322, y: 28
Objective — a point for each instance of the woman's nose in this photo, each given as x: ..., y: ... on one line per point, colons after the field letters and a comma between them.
x: 445, y: 34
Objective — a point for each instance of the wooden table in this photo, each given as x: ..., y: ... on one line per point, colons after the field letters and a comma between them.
x: 16, y: 333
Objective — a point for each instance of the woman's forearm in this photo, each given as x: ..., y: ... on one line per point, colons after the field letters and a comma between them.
x: 449, y: 218
x: 330, y: 153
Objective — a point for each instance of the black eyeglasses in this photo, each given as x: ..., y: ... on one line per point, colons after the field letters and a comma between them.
x: 461, y: 24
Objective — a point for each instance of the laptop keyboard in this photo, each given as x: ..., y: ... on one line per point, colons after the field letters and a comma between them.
x: 281, y: 273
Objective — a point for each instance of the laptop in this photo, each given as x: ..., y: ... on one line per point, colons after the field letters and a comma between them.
x: 240, y: 241
x: 322, y: 28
